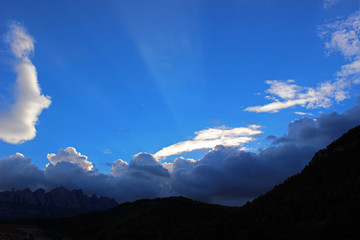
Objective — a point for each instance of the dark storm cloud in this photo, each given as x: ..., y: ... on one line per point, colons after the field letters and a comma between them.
x: 140, y: 180
x: 145, y: 163
x: 19, y: 172
x: 322, y: 130
x: 228, y: 173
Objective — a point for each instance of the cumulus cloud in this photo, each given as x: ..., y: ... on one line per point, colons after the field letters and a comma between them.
x: 70, y: 154
x: 19, y: 172
x: 18, y: 124
x: 225, y: 175
x: 144, y: 177
x: 118, y: 168
x: 322, y: 130
x: 146, y: 163
x: 341, y: 36
x: 142, y: 164
x: 211, y: 137
x: 230, y: 174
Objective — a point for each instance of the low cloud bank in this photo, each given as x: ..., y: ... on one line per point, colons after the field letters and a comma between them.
x: 225, y: 175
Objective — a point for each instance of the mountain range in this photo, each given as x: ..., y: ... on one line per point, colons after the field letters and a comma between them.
x: 58, y: 202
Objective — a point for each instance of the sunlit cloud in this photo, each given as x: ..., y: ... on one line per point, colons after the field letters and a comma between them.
x: 341, y: 36
x: 211, y: 137
x: 285, y: 94
x: 70, y: 155
x: 303, y: 113
x: 118, y: 168
x: 18, y: 124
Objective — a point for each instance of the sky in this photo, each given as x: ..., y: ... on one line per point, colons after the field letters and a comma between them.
x: 212, y: 100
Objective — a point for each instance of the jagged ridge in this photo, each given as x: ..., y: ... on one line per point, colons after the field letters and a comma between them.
x: 58, y: 202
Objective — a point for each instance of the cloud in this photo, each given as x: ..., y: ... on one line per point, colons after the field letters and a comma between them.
x: 292, y: 95
x: 17, y: 171
x: 329, y: 3
x: 146, y: 163
x: 303, y: 113
x: 70, y: 154
x: 322, y: 130
x: 341, y: 36
x: 230, y: 176
x: 225, y: 175
x: 18, y: 124
x: 118, y: 168
x: 142, y: 165
x: 211, y: 137
x: 145, y: 179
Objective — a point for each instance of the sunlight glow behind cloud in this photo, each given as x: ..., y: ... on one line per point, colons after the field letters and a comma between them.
x: 211, y: 137
x: 18, y: 124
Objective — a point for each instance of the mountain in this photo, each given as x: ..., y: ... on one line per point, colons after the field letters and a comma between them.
x: 58, y: 202
x: 321, y: 202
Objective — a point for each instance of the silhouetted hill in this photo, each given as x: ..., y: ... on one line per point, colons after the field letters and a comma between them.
x: 58, y: 202
x: 321, y: 202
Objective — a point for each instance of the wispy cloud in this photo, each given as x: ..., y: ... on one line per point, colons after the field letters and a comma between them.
x: 341, y: 36
x: 344, y: 36
x: 286, y: 94
x: 211, y: 137
x: 18, y: 124
x: 329, y: 3
x: 303, y: 113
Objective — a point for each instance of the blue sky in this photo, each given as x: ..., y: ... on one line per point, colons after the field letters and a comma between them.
x: 118, y: 78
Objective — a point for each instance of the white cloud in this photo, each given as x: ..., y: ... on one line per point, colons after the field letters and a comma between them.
x: 284, y: 90
x: 341, y: 36
x: 70, y: 154
x: 303, y: 113
x: 352, y: 71
x: 329, y: 3
x: 322, y: 96
x: 344, y: 36
x: 18, y: 124
x: 118, y: 168
x: 211, y: 137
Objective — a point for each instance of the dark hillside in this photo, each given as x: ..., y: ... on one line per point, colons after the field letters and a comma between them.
x: 323, y: 200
